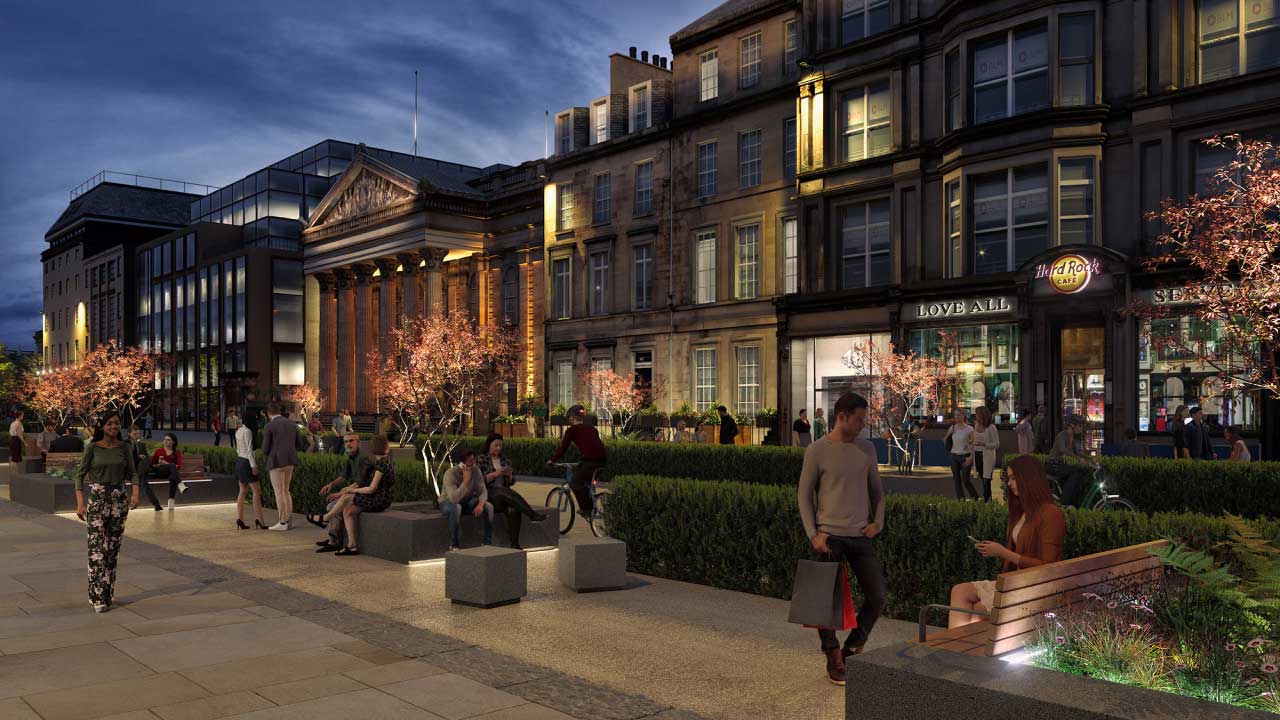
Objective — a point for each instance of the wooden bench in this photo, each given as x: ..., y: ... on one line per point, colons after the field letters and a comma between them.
x: 65, y: 462
x: 1022, y: 597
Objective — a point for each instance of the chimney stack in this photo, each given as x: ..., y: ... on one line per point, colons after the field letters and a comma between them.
x: 644, y: 56
x: 663, y: 62
x: 633, y: 52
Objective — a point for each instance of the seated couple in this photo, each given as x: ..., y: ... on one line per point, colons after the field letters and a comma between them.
x: 1036, y: 529
x: 365, y: 485
x: 481, y: 486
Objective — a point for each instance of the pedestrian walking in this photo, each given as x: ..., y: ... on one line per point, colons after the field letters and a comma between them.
x: 960, y: 435
x: 842, y: 507
x: 217, y: 431
x: 728, y: 426
x: 16, y: 438
x: 1178, y: 432
x: 280, y: 445
x: 984, y: 444
x: 1026, y: 433
x: 819, y: 424
x: 108, y: 470
x: 1199, y: 445
x: 232, y: 424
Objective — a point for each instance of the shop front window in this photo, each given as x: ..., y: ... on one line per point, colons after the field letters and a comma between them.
x: 982, y: 368
x: 823, y: 369
x: 1172, y: 372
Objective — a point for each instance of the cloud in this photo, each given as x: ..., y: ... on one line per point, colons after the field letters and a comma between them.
x: 212, y: 92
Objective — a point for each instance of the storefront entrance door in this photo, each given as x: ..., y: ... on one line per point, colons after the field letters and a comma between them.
x: 1083, y: 363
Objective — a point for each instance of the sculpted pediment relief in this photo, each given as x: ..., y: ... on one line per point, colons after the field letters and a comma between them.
x: 368, y: 193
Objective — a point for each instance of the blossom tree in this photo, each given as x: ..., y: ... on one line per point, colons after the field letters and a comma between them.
x: 439, y: 368
x: 1230, y: 237
x: 109, y: 379
x: 306, y: 399
x: 905, y: 378
x: 613, y: 393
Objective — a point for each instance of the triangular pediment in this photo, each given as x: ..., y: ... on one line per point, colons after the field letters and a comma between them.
x: 367, y: 187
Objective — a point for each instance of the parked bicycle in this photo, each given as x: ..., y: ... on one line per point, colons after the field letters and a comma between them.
x: 1094, y: 492
x: 561, y: 498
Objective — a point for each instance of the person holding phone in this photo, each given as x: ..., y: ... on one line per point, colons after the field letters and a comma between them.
x: 1036, y: 532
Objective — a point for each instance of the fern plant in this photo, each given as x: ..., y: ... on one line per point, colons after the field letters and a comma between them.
x: 1204, y: 571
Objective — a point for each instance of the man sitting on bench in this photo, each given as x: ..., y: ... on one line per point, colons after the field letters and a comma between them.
x: 1036, y: 531
x: 67, y: 442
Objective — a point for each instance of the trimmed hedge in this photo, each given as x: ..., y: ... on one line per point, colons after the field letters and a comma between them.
x: 747, y: 537
x: 1211, y: 487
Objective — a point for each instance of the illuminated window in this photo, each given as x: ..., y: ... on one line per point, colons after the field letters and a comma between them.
x: 790, y: 256
x: 564, y: 193
x: 748, y: 256
x: 564, y: 133
x: 705, y: 266
x: 600, y: 120
x: 709, y: 74
x: 640, y: 110
x: 704, y: 378
x: 748, y: 380
x: 560, y: 289
x: 866, y: 122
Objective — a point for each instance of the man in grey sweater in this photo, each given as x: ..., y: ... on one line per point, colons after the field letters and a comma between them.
x: 842, y: 508
x: 464, y: 491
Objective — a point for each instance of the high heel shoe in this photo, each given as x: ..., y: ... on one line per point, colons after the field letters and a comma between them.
x: 240, y: 524
x: 258, y: 524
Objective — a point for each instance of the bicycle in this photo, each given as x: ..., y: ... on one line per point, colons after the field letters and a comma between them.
x: 1099, y: 495
x: 561, y: 498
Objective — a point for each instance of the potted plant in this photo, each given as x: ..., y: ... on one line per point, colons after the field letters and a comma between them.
x: 559, y: 414
x: 709, y: 424
x: 767, y: 419
x: 686, y: 413
x: 532, y: 404
x: 649, y: 417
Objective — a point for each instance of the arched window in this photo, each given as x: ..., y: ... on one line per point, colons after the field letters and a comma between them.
x: 510, y: 291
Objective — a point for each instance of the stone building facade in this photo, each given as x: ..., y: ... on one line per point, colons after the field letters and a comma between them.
x: 954, y: 157
x: 399, y: 236
x: 665, y: 242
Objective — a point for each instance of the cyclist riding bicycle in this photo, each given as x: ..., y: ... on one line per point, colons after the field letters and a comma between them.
x: 593, y: 457
x: 1072, y: 478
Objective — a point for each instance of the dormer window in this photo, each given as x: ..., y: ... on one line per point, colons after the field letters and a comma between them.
x: 564, y: 132
x: 600, y: 121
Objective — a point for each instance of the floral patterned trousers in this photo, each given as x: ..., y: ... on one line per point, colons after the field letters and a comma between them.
x: 105, y: 513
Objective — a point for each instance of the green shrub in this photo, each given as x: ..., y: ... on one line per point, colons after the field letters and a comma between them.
x: 1200, y: 486
x: 747, y: 537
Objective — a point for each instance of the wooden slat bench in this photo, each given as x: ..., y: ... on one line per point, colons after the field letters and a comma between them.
x: 192, y: 471
x: 1023, y: 596
x: 66, y: 462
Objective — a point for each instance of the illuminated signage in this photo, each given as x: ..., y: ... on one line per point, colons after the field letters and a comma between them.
x: 1069, y: 274
x: 962, y: 308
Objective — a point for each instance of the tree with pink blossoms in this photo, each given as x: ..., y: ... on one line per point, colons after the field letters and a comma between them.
x: 306, y: 399
x: 1229, y: 238
x: 611, y: 394
x: 109, y: 379
x: 440, y: 368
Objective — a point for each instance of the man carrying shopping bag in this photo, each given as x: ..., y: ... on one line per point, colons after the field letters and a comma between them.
x: 842, y: 508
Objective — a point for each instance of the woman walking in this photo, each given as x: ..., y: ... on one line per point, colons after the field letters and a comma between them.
x: 107, y: 467
x: 217, y: 430
x: 1026, y: 433
x: 985, y: 442
x: 960, y: 433
x: 801, y: 430
x: 499, y: 476
x: 280, y: 445
x: 1178, y: 430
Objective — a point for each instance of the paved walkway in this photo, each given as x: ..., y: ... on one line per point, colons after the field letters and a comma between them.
x: 214, y: 622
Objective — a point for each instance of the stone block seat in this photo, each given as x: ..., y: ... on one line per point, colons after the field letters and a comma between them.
x: 416, y: 531
x: 588, y: 564
x: 486, y: 576
x: 53, y: 494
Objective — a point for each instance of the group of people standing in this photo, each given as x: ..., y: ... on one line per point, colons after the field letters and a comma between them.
x: 973, y: 447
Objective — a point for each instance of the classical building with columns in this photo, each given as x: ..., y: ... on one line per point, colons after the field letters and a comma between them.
x: 400, y: 236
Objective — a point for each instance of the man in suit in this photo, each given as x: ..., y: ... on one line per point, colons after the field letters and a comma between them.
x: 1197, y: 435
x: 728, y: 428
x: 280, y: 445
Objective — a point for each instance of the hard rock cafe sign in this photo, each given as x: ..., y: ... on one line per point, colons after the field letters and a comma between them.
x: 1069, y: 274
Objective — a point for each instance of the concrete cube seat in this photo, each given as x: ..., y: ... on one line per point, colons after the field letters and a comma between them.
x: 56, y: 494
x: 416, y: 531
x: 588, y: 564
x: 486, y: 576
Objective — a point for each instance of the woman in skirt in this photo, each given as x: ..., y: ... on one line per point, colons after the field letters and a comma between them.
x: 372, y: 494
x: 108, y: 470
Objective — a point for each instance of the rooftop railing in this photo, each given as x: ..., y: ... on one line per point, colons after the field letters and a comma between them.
x: 144, y: 181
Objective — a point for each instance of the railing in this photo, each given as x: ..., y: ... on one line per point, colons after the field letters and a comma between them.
x: 145, y: 181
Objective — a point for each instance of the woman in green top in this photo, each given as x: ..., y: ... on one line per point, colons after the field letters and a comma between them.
x: 109, y: 469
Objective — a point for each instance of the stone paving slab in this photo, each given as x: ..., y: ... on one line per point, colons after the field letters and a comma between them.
x: 355, y: 705
x: 114, y: 696
x: 300, y: 691
x: 211, y: 708
x: 259, y: 672
x: 204, y: 646
x: 395, y: 672
x: 37, y: 672
x: 452, y: 696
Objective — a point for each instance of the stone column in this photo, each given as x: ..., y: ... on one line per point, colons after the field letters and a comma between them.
x: 328, y: 332
x: 364, y: 341
x: 386, y: 305
x: 346, y: 343
x: 434, y: 258
x: 410, y: 285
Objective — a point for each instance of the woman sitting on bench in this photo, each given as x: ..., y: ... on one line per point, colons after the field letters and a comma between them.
x: 166, y: 463
x: 1036, y: 529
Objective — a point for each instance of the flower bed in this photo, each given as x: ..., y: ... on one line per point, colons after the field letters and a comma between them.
x: 1204, y: 631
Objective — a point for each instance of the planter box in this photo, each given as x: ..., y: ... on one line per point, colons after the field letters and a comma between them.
x: 503, y: 429
x: 908, y: 680
x: 710, y: 434
x: 519, y: 430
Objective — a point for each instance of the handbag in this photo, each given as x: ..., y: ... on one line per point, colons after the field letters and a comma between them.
x: 821, y: 597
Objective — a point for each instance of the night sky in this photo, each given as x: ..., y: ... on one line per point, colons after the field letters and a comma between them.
x: 209, y: 92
